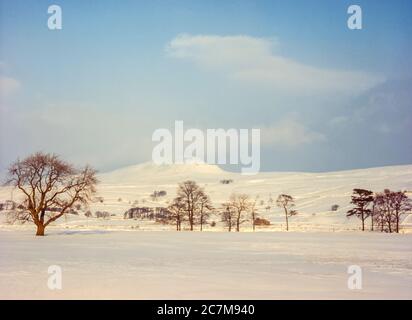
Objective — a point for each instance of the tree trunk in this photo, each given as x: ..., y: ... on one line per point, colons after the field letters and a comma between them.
x: 397, y: 223
x: 40, y: 230
x: 191, y: 221
x: 287, y: 222
x: 371, y: 222
x: 363, y: 221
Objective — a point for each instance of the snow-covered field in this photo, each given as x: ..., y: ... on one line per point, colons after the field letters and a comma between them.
x: 118, y: 258
x: 185, y: 265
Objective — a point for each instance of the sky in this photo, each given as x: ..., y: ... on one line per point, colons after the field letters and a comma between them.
x: 325, y: 97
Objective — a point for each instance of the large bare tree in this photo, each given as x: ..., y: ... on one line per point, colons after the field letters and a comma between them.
x: 286, y: 202
x: 191, y: 194
x: 50, y: 187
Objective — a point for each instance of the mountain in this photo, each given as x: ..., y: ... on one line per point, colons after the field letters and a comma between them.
x: 165, y: 172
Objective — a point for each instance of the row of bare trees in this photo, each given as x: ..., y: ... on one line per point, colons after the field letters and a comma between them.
x: 384, y: 209
x: 193, y: 205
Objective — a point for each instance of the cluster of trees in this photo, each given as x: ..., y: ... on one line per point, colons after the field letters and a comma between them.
x: 384, y: 209
x: 193, y: 205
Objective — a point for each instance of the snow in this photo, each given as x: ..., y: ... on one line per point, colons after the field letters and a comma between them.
x: 194, y: 265
x: 127, y: 258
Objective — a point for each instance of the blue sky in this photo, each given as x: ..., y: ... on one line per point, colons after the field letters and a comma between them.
x: 325, y: 97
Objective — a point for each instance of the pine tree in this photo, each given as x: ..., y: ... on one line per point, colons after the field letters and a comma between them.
x: 361, y: 198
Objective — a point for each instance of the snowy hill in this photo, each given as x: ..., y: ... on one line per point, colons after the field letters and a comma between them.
x: 166, y: 173
x: 315, y: 193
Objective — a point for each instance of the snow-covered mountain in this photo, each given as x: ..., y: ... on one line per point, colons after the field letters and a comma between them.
x: 165, y: 172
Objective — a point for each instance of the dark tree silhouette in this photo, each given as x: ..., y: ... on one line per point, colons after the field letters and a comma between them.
x: 50, y: 187
x: 361, y: 198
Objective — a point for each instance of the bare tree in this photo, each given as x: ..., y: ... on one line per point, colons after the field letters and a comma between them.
x: 391, y: 206
x: 374, y: 211
x: 50, y: 186
x: 228, y: 216
x: 381, y: 211
x: 401, y: 205
x: 253, y: 212
x: 191, y: 194
x: 177, y: 211
x: 240, y: 204
x: 286, y: 202
x: 205, y: 206
x: 361, y: 198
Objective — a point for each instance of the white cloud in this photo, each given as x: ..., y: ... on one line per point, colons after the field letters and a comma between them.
x: 254, y: 61
x: 8, y: 86
x: 289, y: 133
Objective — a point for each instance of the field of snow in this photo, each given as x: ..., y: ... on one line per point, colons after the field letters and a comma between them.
x: 195, y: 265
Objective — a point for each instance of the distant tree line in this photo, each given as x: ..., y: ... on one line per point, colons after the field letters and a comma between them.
x: 193, y: 206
